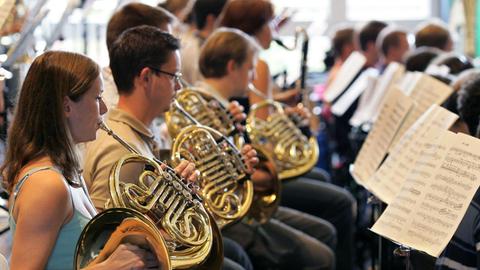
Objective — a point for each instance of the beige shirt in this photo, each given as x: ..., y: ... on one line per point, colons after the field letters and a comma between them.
x: 206, y: 88
x: 110, y: 92
x: 190, y: 55
x: 101, y: 154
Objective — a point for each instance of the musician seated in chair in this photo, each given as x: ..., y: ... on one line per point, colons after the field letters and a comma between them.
x: 60, y: 105
x: 137, y: 14
x: 227, y: 63
x: 305, y: 194
x: 147, y: 77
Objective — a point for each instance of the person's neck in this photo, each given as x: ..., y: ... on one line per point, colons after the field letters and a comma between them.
x: 393, y: 58
x: 135, y: 107
x: 205, y: 32
x: 222, y: 86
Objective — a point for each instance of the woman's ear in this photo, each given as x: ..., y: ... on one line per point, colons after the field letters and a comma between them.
x: 66, y: 105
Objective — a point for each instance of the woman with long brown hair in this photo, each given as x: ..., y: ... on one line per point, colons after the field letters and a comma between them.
x: 60, y: 105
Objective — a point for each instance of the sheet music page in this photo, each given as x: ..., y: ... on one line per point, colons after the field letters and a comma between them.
x: 374, y: 149
x: 354, y: 91
x: 432, y: 202
x: 388, y: 179
x: 392, y: 76
x: 408, y: 80
x: 347, y: 72
x: 360, y: 115
x: 425, y: 92
x: 371, y: 100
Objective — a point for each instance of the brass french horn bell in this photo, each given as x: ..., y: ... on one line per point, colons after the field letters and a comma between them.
x: 115, y: 226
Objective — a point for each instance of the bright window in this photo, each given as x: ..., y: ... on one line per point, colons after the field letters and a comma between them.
x: 390, y: 10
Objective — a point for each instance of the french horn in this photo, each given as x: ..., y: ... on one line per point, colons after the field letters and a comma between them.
x: 225, y: 185
x: 293, y: 153
x: 115, y: 226
x: 195, y: 107
x: 192, y: 238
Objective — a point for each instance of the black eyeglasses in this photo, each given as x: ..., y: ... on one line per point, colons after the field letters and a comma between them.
x: 176, y: 76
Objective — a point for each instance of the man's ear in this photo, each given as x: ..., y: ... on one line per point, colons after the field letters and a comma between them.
x: 145, y: 74
x: 231, y: 66
x: 372, y: 47
x: 143, y: 78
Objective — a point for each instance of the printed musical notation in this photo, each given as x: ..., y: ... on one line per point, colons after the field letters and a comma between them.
x: 374, y: 149
x: 347, y: 72
x: 417, y: 142
x: 433, y: 199
x: 373, y: 98
x: 425, y: 91
x: 365, y: 81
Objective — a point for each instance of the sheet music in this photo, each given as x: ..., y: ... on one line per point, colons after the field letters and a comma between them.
x: 361, y: 113
x: 347, y: 72
x: 354, y: 91
x: 426, y: 91
x: 6, y: 10
x: 374, y: 149
x: 431, y: 204
x: 408, y: 80
x: 371, y: 100
x: 388, y: 179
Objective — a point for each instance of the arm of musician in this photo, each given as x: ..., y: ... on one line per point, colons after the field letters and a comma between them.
x: 127, y: 257
x: 39, y: 217
x: 250, y: 157
x: 290, y: 96
x: 263, y: 83
x: 299, y: 114
x: 237, y: 111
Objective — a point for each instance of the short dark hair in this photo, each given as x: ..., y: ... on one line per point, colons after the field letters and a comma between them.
x: 454, y: 61
x: 174, y: 5
x: 247, y: 15
x: 369, y: 33
x: 223, y: 45
x: 389, y: 38
x: 468, y: 103
x: 432, y: 34
x: 203, y: 8
x: 341, y: 38
x: 136, y: 14
x: 420, y: 58
x: 137, y: 48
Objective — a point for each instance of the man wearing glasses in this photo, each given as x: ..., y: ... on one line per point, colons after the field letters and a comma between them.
x: 176, y: 77
x: 145, y: 64
x: 147, y: 78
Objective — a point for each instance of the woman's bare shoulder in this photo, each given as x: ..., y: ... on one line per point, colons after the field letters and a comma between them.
x: 44, y: 192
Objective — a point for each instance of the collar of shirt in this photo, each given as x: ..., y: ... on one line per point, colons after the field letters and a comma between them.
x: 119, y: 115
x: 210, y: 90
